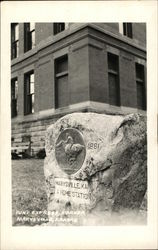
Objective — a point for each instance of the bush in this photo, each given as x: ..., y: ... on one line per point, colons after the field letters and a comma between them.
x: 41, y: 154
x: 15, y: 156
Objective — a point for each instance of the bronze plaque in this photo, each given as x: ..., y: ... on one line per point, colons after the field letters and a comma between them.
x: 70, y: 150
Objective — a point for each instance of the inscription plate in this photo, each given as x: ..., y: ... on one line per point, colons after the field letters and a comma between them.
x: 70, y: 150
x: 72, y: 190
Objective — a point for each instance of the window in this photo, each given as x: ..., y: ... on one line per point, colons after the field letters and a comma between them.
x: 29, y: 36
x: 29, y: 93
x: 127, y: 29
x: 58, y: 27
x: 61, y: 82
x: 14, y: 40
x: 113, y: 78
x: 14, y: 96
x: 141, y: 96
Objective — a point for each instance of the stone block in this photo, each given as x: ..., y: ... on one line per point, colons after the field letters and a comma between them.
x: 96, y: 166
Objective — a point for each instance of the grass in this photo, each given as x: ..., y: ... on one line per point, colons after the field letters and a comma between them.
x: 28, y: 192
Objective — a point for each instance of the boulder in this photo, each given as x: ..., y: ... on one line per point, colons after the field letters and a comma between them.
x: 96, y: 169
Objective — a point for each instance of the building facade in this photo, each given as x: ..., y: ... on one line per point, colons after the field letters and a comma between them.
x: 60, y: 68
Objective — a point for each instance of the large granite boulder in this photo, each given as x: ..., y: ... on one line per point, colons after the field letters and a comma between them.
x: 96, y: 169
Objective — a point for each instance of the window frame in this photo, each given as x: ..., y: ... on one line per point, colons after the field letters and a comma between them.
x: 29, y: 98
x: 14, y: 41
x: 28, y: 37
x: 59, y: 75
x: 140, y: 81
x: 57, y: 28
x: 14, y: 88
x: 127, y: 30
x: 114, y: 72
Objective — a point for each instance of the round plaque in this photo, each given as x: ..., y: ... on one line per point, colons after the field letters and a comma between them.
x: 70, y: 150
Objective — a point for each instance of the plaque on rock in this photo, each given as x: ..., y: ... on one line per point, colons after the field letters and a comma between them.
x: 70, y: 150
x: 72, y: 191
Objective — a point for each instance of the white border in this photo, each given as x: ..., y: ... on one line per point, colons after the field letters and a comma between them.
x: 111, y: 237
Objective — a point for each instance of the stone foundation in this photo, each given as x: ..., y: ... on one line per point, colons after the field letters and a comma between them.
x: 33, y: 131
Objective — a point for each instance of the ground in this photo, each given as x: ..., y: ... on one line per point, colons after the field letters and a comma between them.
x: 28, y: 192
x: 29, y: 199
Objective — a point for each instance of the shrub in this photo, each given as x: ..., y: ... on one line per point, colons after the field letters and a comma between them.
x: 41, y: 154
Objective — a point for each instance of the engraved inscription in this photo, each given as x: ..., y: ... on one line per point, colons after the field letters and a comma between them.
x: 70, y: 150
x: 93, y: 145
x: 72, y: 190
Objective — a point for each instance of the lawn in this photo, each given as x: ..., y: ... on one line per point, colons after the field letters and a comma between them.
x: 29, y: 199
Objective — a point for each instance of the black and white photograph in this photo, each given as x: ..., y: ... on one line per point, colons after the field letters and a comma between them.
x: 80, y: 107
x: 78, y: 103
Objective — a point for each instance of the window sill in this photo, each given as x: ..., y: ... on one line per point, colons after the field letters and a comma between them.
x: 62, y: 74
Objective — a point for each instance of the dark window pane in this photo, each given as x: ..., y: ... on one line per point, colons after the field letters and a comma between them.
x: 61, y: 65
x: 112, y: 62
x: 13, y: 108
x: 113, y: 75
x: 29, y: 104
x: 140, y: 72
x: 26, y: 30
x: 127, y: 29
x: 14, y: 40
x: 29, y: 36
x: 15, y: 49
x: 141, y: 95
x: 61, y: 82
x: 12, y: 90
x: 58, y: 27
x: 29, y: 93
x: 14, y: 95
x: 61, y: 94
x: 113, y: 89
x: 27, y: 83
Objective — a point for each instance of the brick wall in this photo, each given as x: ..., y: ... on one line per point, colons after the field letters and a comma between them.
x: 44, y: 84
x: 43, y: 30
x: 87, y: 66
x: 98, y: 75
x: 127, y: 80
x: 139, y: 32
x: 20, y: 101
x: 21, y: 38
x: 35, y: 130
x: 87, y: 73
x: 79, y: 75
